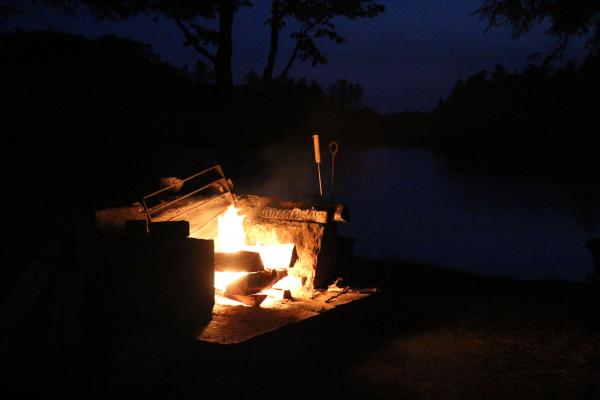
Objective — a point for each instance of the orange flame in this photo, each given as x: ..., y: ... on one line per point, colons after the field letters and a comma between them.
x: 231, y: 237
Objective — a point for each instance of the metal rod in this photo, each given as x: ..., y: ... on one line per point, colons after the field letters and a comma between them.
x: 320, y: 183
x: 333, y: 149
x: 214, y: 167
x: 154, y: 210
x: 196, y: 205
x: 222, y: 181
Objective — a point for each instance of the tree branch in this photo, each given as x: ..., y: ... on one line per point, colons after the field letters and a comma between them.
x: 9, y: 8
x: 299, y: 36
x: 193, y: 40
x: 290, y: 61
x: 276, y: 23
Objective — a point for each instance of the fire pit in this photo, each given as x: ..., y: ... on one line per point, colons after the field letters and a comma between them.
x: 275, y: 262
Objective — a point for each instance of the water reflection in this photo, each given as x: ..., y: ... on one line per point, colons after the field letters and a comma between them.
x: 413, y: 205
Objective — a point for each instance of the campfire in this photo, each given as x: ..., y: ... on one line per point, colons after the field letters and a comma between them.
x: 265, y: 265
x: 246, y: 263
x: 266, y: 251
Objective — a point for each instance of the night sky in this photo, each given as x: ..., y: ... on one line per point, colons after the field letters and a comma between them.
x: 406, y: 59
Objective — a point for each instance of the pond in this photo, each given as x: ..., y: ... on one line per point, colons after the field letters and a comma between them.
x: 415, y: 205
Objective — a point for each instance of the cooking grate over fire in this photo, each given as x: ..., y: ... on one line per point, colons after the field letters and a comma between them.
x: 267, y: 251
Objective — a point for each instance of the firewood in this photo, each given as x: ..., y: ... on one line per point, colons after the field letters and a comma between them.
x: 253, y: 300
x: 240, y: 261
x: 254, y: 282
x: 279, y: 294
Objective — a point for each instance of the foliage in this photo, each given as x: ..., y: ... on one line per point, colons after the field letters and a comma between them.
x: 346, y: 94
x: 315, y: 21
x: 207, y: 26
x: 111, y: 93
x: 565, y: 19
x: 540, y: 113
x: 195, y: 19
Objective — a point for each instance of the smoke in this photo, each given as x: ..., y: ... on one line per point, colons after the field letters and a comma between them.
x: 288, y: 171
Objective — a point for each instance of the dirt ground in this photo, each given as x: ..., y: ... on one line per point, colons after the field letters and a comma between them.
x: 429, y: 334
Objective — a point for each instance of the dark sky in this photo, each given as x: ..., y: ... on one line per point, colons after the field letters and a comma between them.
x: 405, y: 59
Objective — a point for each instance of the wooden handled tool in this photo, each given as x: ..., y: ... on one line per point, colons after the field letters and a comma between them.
x: 318, y: 161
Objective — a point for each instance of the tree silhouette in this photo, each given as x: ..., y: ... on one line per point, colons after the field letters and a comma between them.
x: 7, y: 9
x: 345, y: 94
x: 193, y: 18
x: 538, y: 114
x: 214, y: 44
x: 14, y: 8
x: 566, y: 18
x: 186, y: 15
x: 315, y: 19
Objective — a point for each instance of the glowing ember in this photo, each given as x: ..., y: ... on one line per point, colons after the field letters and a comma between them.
x: 223, y: 279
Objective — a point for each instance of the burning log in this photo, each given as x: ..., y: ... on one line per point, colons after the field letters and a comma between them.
x: 253, y: 300
x: 279, y: 294
x: 240, y: 261
x: 254, y: 282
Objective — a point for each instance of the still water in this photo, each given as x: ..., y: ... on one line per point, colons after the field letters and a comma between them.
x: 413, y: 205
